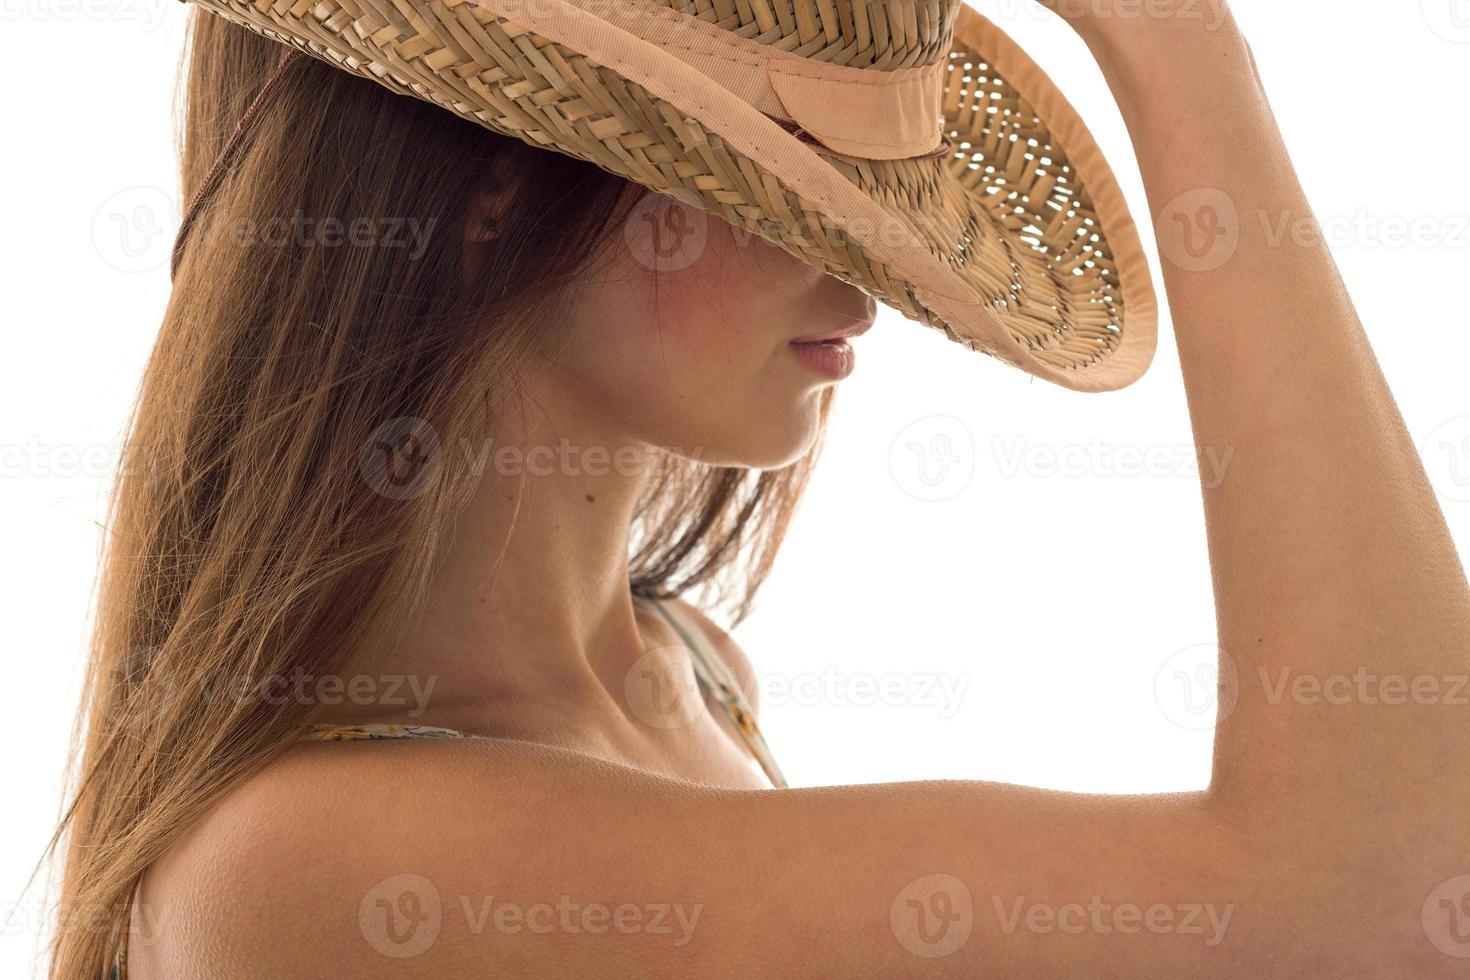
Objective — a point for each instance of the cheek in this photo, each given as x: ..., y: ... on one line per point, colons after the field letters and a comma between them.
x: 685, y: 297
x: 654, y: 352
x: 649, y: 341
x: 709, y: 285
x: 685, y: 345
x: 707, y: 299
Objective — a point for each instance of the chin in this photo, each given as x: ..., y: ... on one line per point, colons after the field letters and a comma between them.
x: 766, y: 441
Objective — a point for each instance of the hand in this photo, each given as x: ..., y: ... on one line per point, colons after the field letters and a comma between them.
x: 1165, y: 56
x: 1142, y: 21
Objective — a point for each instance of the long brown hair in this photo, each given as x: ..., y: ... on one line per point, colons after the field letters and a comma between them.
x: 243, y: 542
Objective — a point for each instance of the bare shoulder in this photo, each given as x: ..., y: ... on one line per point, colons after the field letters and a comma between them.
x: 730, y: 652
x: 407, y: 858
x: 493, y: 858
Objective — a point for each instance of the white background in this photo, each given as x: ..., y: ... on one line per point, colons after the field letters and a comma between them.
x: 1058, y: 594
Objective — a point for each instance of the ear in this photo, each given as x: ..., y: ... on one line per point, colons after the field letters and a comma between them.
x: 486, y: 219
x: 485, y: 224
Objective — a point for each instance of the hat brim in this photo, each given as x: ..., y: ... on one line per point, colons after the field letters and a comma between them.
x: 1017, y: 242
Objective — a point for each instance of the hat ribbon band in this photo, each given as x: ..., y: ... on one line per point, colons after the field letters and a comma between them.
x: 879, y: 114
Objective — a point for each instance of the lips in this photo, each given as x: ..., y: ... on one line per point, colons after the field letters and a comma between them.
x: 853, y: 328
x: 829, y: 354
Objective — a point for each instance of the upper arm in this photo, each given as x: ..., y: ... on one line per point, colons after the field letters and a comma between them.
x: 504, y: 859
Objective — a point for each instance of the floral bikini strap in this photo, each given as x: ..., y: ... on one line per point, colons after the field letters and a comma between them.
x: 714, y: 675
x: 709, y: 668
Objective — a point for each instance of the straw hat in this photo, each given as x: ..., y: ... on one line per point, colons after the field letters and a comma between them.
x: 906, y: 146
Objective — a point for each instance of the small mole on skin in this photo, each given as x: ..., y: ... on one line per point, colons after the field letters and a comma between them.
x: 591, y: 499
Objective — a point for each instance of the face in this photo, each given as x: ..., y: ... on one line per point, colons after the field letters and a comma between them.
x: 705, y: 340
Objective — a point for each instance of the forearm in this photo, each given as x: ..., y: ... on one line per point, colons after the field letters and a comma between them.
x: 1328, y: 549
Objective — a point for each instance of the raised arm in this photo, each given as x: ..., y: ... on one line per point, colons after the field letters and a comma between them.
x: 1328, y: 844
x: 1331, y: 559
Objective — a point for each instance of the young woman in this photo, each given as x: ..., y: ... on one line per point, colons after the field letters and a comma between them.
x: 392, y: 677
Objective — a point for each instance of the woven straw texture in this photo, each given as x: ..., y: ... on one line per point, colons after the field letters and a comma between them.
x: 1002, y: 208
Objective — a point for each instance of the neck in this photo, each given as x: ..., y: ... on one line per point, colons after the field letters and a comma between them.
x: 530, y: 598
